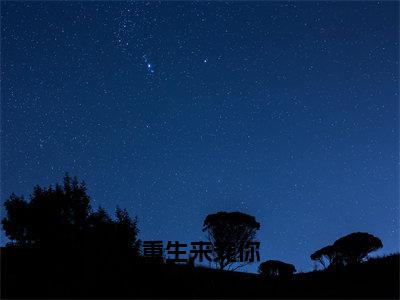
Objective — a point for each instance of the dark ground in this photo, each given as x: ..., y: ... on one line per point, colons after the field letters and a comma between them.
x: 35, y: 274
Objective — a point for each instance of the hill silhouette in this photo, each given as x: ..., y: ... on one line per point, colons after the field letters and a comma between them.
x: 30, y: 273
x: 60, y: 248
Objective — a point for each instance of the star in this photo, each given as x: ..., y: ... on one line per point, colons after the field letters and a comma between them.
x: 149, y: 65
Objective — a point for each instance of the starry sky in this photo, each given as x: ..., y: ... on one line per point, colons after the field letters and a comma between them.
x: 287, y: 111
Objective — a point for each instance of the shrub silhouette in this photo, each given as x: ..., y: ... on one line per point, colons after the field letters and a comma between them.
x: 62, y: 217
x: 276, y: 268
x: 229, y: 232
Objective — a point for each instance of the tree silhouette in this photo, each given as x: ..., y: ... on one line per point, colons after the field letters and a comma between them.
x: 126, y: 231
x: 62, y: 217
x: 276, y: 268
x: 229, y: 232
x: 355, y: 247
x: 325, y: 256
x: 100, y: 231
x: 350, y: 249
x: 53, y: 217
x: 16, y: 225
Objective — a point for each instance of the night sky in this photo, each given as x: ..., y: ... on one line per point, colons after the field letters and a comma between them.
x: 287, y: 111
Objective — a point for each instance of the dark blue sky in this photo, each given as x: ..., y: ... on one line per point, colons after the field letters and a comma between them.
x: 286, y: 111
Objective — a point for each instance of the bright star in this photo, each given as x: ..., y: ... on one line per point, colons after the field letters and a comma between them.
x: 149, y: 65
